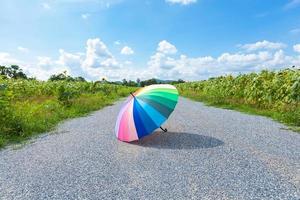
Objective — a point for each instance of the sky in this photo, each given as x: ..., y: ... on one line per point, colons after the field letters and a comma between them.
x: 165, y: 39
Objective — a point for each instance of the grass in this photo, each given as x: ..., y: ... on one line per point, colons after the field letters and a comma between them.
x: 39, y: 114
x: 289, y: 117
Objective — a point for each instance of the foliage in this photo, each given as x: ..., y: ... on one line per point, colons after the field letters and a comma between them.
x: 12, y: 72
x: 29, y: 107
x: 64, y: 77
x: 276, y: 93
x: 9, y: 122
x: 147, y: 82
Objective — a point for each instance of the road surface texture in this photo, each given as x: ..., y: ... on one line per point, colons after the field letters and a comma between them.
x: 208, y: 153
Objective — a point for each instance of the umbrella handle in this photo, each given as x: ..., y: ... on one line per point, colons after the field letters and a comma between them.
x: 163, y: 129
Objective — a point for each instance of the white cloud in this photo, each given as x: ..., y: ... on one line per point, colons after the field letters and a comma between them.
x: 98, y: 55
x: 194, y: 68
x: 46, y: 67
x: 45, y: 62
x: 127, y: 51
x: 297, y: 48
x: 127, y: 62
x: 85, y: 16
x: 109, y: 63
x: 46, y: 6
x: 72, y: 61
x: 23, y: 49
x: 166, y: 47
x: 182, y: 2
x: 263, y: 45
x: 42, y: 68
x: 7, y: 59
x: 97, y: 61
x: 97, y: 47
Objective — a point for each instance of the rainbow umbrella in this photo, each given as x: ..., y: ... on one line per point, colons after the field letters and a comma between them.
x: 145, y: 110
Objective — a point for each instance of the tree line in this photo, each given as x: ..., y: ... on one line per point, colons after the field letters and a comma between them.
x: 15, y: 72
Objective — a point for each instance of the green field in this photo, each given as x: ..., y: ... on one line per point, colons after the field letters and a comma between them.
x: 29, y: 107
x: 268, y: 93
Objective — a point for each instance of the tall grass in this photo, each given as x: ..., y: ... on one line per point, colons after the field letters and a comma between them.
x: 268, y: 93
x: 29, y: 107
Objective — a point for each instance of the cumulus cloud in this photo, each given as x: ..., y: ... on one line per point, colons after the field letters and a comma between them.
x: 127, y: 62
x: 263, y: 45
x: 7, y: 59
x: 182, y: 2
x: 98, y: 55
x: 71, y: 61
x: 97, y: 47
x: 166, y: 48
x: 97, y: 61
x: 45, y: 62
x: 127, y: 51
x: 45, y: 67
x: 297, y: 48
x: 194, y: 68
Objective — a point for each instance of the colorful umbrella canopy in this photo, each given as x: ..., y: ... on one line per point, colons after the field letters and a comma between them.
x: 145, y: 110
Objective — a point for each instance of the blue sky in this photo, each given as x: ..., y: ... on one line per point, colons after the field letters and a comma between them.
x: 169, y: 39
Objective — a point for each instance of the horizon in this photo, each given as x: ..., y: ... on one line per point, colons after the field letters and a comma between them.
x: 165, y: 39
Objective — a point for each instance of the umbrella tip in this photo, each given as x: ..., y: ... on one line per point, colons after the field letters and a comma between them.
x: 132, y: 94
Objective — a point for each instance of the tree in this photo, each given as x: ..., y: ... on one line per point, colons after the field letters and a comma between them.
x: 58, y: 77
x: 14, y: 71
x: 132, y: 83
x: 79, y: 79
x: 138, y: 81
x: 148, y: 82
x: 180, y: 81
x: 3, y: 71
x: 64, y: 77
x: 124, y: 82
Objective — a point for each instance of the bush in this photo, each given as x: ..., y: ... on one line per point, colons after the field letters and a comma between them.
x: 29, y: 107
x: 277, y: 93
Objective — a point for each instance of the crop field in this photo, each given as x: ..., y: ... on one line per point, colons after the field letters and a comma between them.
x: 268, y: 93
x: 29, y: 107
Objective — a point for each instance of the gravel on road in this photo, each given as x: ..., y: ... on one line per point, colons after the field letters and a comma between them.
x: 208, y: 153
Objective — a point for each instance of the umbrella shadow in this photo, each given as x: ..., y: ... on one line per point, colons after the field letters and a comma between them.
x: 177, y: 140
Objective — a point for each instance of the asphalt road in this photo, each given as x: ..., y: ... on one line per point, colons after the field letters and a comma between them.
x: 208, y: 153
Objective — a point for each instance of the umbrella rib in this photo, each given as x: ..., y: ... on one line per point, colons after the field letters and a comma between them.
x: 139, y: 115
x: 146, y: 113
x: 161, y: 108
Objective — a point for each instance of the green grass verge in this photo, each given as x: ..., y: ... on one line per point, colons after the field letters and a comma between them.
x: 289, y: 117
x: 40, y: 114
